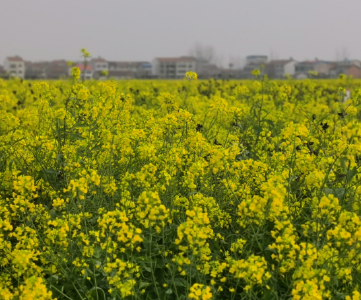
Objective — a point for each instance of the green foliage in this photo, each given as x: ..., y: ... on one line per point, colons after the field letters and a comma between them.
x: 180, y: 190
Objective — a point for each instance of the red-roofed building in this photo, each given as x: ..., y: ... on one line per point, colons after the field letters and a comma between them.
x: 15, y: 66
x: 87, y: 71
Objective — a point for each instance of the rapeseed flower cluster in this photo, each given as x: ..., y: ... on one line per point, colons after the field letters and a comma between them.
x: 200, y: 292
x: 191, y: 189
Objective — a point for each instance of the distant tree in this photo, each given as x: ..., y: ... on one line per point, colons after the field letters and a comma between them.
x: 342, y: 54
x: 273, y: 55
x: 235, y: 61
x: 204, y: 53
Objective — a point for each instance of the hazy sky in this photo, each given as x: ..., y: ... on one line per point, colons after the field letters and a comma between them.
x: 141, y: 30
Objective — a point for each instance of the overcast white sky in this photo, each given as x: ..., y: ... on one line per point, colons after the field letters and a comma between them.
x: 144, y: 29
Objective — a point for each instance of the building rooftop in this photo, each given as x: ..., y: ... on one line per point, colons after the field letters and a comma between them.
x: 14, y: 58
x: 128, y: 63
x: 176, y: 59
x: 99, y: 59
x: 256, y: 56
x: 279, y: 62
x: 81, y: 67
x: 59, y: 62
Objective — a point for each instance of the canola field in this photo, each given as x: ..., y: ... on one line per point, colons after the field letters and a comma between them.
x: 184, y: 189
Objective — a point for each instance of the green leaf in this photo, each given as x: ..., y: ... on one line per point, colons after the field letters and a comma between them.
x: 268, y: 295
x: 50, y: 172
x: 53, y: 214
x: 269, y: 249
x: 328, y: 191
x: 169, y: 291
x: 76, y: 136
x: 257, y: 129
x: 56, y: 277
x: 147, y: 269
x: 270, y: 123
x: 340, y: 192
x: 97, y: 293
x: 351, y: 174
x: 60, y: 157
x: 179, y: 282
x: 143, y: 284
x: 97, y: 262
x: 343, y: 161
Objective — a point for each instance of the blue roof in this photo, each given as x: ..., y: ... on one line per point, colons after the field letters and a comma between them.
x: 146, y: 65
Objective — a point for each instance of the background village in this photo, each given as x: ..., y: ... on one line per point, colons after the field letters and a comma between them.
x: 176, y: 67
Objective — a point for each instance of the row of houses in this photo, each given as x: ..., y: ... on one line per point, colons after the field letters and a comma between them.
x: 275, y: 69
x: 56, y: 69
x: 176, y: 67
x: 280, y: 69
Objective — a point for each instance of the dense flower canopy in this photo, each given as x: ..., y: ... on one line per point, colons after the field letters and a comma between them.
x: 184, y: 189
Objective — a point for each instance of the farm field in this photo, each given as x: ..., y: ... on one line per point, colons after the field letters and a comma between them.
x: 184, y: 189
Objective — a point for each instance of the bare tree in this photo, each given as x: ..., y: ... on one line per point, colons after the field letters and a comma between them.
x: 345, y: 54
x: 219, y: 61
x: 235, y: 61
x: 204, y: 53
x: 342, y: 54
x: 273, y: 55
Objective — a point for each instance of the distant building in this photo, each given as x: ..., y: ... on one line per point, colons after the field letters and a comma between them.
x: 57, y: 69
x: 35, y: 70
x: 130, y: 69
x: 2, y: 72
x: 347, y: 67
x: 231, y: 74
x: 304, y: 68
x: 256, y: 59
x: 351, y: 62
x: 86, y: 73
x: 173, y: 67
x: 99, y: 65
x: 254, y: 62
x: 144, y: 69
x: 206, y: 71
x: 279, y: 69
x: 15, y: 66
x: 121, y: 70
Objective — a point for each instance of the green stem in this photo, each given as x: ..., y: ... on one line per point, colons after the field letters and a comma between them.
x: 151, y: 262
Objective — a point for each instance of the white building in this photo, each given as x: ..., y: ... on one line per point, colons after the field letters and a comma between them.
x: 279, y: 69
x: 15, y: 66
x: 173, y: 67
x: 99, y: 65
